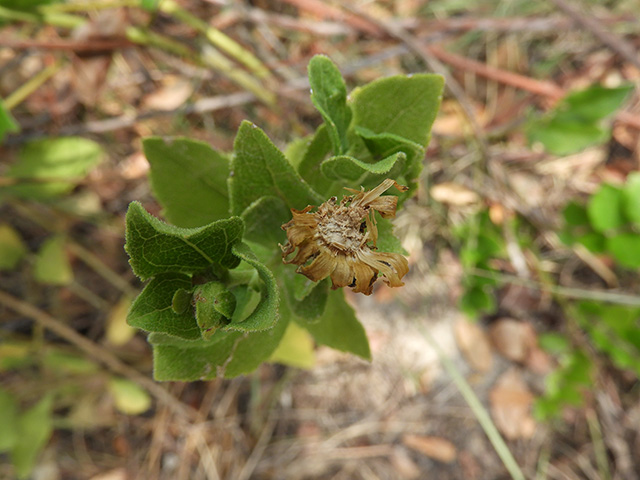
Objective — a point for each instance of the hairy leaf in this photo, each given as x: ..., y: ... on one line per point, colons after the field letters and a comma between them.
x: 259, y: 169
x: 189, y: 179
x: 156, y: 247
x: 329, y: 95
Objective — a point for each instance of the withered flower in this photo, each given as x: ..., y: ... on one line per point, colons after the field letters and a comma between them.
x: 339, y: 240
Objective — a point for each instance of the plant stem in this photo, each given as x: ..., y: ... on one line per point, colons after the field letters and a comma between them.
x: 217, y: 38
x: 41, y: 16
x: 89, y: 5
x: 19, y: 95
x: 210, y: 58
x: 477, y: 408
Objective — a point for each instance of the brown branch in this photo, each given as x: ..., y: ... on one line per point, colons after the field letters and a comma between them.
x: 100, y: 354
x: 610, y: 39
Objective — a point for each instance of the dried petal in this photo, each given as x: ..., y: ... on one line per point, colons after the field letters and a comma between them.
x: 338, y: 239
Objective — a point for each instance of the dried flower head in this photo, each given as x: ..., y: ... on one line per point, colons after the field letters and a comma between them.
x: 339, y: 240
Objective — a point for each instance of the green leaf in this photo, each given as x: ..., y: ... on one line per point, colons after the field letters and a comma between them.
x: 594, y: 242
x: 477, y: 300
x: 9, y: 420
x: 313, y: 303
x: 215, y: 305
x: 554, y: 343
x: 263, y: 220
x: 352, y: 170
x: 595, y: 103
x: 129, y: 397
x: 631, y: 197
x: 266, y: 313
x: 405, y: 106
x: 625, y: 247
x: 575, y: 215
x: 339, y: 328
x: 189, y: 179
x: 152, y: 310
x: 52, y: 263
x: 227, y: 354
x: 387, y: 241
x: 295, y: 349
x: 309, y: 168
x: 329, y: 96
x: 155, y: 247
x: 35, y: 428
x: 52, y: 167
x: 605, y: 208
x: 562, y: 135
x: 7, y: 122
x: 12, y: 248
x: 259, y: 169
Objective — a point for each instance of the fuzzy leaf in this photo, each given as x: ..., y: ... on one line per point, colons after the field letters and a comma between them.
x: 329, y: 96
x: 309, y: 167
x: 263, y: 219
x: 189, y: 179
x: 563, y: 135
x: 265, y: 314
x: 260, y: 169
x: 228, y: 354
x: 339, y: 328
x: 307, y: 303
x: 156, y: 247
x: 401, y: 105
x: 352, y: 170
x: 296, y: 348
x: 152, y: 310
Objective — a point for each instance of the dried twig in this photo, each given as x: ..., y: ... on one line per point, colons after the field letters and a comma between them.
x: 100, y: 354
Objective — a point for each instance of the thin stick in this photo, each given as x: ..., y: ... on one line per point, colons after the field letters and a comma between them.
x: 610, y: 39
x: 19, y: 95
x: 478, y: 409
x: 100, y: 354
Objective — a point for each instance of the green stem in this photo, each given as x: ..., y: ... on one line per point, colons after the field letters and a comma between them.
x: 211, y: 58
x: 31, y: 86
x: 477, y: 408
x: 42, y: 16
x: 217, y: 38
x: 89, y: 6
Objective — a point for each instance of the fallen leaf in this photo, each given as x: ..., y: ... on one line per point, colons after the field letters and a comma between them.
x: 403, y: 465
x: 511, y: 400
x: 118, y: 332
x: 436, y: 448
x: 173, y: 94
x: 474, y: 344
x: 513, y: 339
x: 454, y: 194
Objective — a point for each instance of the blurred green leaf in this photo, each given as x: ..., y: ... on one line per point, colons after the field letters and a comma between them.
x: 295, y: 349
x: 625, y: 247
x: 12, y: 248
x: 605, y: 208
x: 554, y: 343
x: 7, y: 122
x: 9, y: 420
x: 329, y: 96
x: 562, y: 135
x: 52, y: 263
x: 596, y: 102
x: 338, y: 327
x: 129, y: 397
x: 477, y: 300
x: 575, y: 215
x: 631, y: 197
x: 51, y: 167
x: 35, y: 428
x: 189, y: 179
x: 156, y: 247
